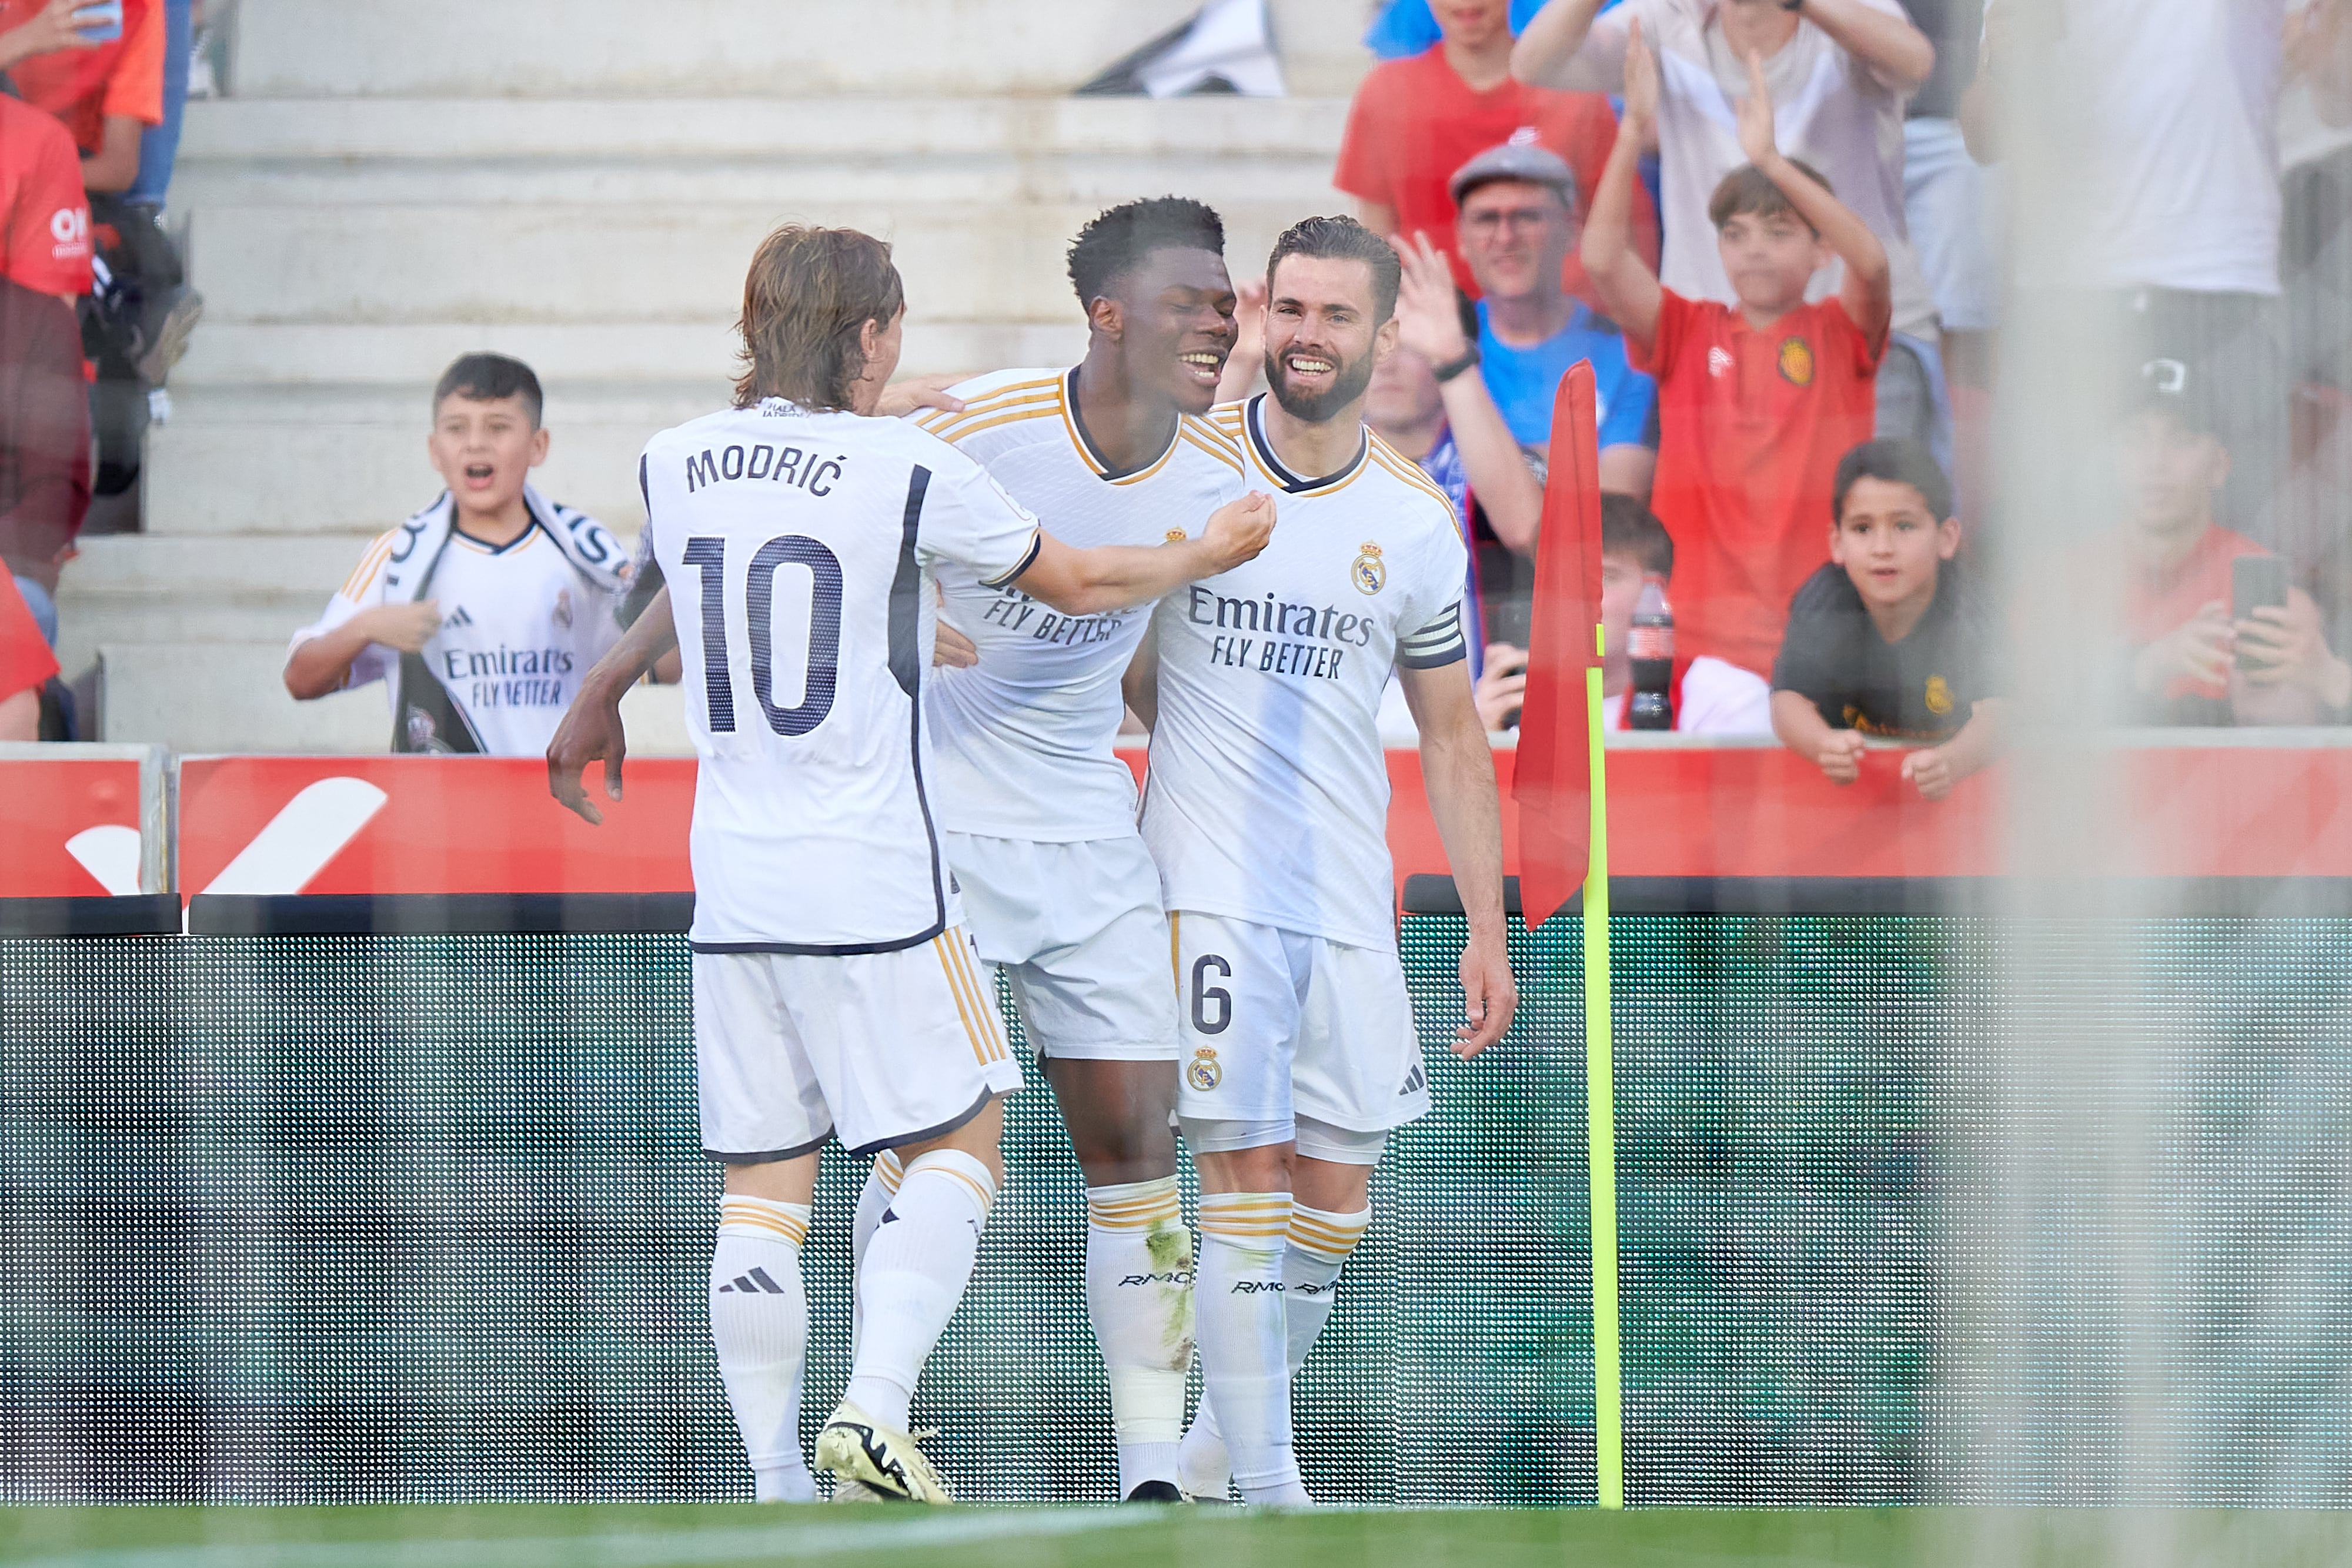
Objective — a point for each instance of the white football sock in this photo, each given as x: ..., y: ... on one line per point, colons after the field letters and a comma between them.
x: 913, y: 1274
x: 1139, y: 1296
x: 1244, y: 1351
x: 1319, y: 1246
x: 881, y: 1185
x: 758, y: 1324
x: 1320, y: 1242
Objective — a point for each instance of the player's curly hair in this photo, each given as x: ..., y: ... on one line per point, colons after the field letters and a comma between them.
x: 1343, y: 239
x: 806, y: 300
x: 1117, y: 240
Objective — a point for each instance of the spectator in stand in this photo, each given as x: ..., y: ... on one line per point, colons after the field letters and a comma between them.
x: 158, y: 145
x: 1946, y: 198
x: 106, y: 93
x: 1707, y: 696
x: 1415, y: 122
x: 2173, y: 213
x: 26, y: 666
x: 45, y: 253
x: 482, y: 611
x: 2191, y: 664
x: 1841, y: 70
x: 1423, y: 403
x: 1517, y: 220
x: 1887, y: 640
x: 1758, y: 402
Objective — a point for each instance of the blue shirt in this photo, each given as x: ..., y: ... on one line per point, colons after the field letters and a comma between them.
x: 1525, y: 380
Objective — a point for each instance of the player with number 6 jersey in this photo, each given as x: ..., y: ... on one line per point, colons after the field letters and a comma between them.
x: 836, y: 992
x: 1266, y: 809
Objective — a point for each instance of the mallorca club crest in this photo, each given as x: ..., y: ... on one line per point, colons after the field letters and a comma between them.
x: 1797, y: 361
x: 1204, y: 1074
x: 1367, y: 571
x: 1939, y: 696
x: 1173, y: 537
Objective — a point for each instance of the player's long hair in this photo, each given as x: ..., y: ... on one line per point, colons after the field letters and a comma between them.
x: 808, y: 296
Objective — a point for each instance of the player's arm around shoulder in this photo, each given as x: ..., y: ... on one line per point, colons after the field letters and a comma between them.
x: 1113, y: 577
x: 321, y: 659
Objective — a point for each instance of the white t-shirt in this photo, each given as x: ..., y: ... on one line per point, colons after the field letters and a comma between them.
x: 1829, y: 108
x: 1023, y: 740
x: 1717, y: 699
x: 800, y: 550
x: 2173, y: 111
x: 519, y: 626
x: 1269, y: 792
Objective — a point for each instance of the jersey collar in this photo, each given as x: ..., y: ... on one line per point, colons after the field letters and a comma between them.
x: 1085, y: 443
x: 1253, y: 420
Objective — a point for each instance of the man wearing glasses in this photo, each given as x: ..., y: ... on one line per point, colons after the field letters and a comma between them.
x: 1515, y: 220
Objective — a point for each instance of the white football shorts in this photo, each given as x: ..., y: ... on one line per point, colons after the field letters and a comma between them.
x: 1079, y: 932
x: 1277, y: 1025
x: 876, y: 1049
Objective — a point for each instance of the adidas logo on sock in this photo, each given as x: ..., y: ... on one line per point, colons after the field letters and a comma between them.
x: 755, y: 1283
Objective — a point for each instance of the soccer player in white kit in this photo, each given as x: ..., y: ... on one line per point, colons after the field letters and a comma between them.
x: 837, y: 994
x: 1038, y: 809
x: 1266, y: 809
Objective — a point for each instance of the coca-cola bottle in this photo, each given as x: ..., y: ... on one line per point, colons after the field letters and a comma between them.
x: 1651, y: 647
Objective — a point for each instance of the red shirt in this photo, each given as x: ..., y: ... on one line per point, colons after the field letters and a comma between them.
x: 1750, y: 428
x: 24, y: 658
x: 2157, y: 603
x: 1415, y: 122
x: 82, y: 86
x: 44, y: 217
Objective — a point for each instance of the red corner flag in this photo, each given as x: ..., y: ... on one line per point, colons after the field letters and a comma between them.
x: 1553, y: 782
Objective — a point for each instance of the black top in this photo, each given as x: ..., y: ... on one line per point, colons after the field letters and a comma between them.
x: 1922, y: 688
x: 1954, y: 26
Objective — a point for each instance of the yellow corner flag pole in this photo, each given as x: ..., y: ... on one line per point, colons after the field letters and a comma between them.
x: 1600, y: 1120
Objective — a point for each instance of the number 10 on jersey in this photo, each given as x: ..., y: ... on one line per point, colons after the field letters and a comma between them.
x: 820, y: 657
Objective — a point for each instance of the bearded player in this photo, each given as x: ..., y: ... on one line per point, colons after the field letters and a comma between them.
x: 1266, y: 811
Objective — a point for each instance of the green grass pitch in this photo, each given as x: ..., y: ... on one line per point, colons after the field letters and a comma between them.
x: 672, y: 1537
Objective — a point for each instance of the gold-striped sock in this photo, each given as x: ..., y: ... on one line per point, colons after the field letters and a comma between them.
x: 762, y: 1217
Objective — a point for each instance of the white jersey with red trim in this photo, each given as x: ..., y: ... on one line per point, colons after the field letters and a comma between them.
x: 1269, y: 794
x: 1025, y: 738
x: 800, y: 549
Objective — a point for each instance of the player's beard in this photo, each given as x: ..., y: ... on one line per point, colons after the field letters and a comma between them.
x: 1316, y: 408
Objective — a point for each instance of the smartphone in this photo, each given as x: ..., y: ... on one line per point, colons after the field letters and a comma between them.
x: 2256, y: 582
x: 100, y: 22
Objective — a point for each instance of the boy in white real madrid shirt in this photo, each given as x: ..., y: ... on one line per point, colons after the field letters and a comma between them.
x: 482, y: 611
x: 1038, y: 809
x: 1266, y: 809
x: 837, y: 994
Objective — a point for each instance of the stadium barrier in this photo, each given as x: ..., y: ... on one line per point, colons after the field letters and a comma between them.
x: 410, y: 1217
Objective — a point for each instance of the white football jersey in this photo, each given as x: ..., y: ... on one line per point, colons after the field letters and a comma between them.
x: 1269, y: 794
x: 799, y: 548
x: 519, y: 626
x: 1025, y: 738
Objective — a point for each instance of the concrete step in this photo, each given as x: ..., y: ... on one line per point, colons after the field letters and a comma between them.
x: 532, y: 263
x: 227, y: 696
x: 276, y: 460
x: 348, y: 151
x: 700, y: 48
x: 245, y: 354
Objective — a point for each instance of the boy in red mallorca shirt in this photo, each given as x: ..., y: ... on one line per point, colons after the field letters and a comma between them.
x: 1416, y: 121
x: 1755, y: 403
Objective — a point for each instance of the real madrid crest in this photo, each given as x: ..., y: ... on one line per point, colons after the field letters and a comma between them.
x: 1367, y: 571
x: 1204, y: 1073
x: 1797, y: 361
x: 1173, y: 537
